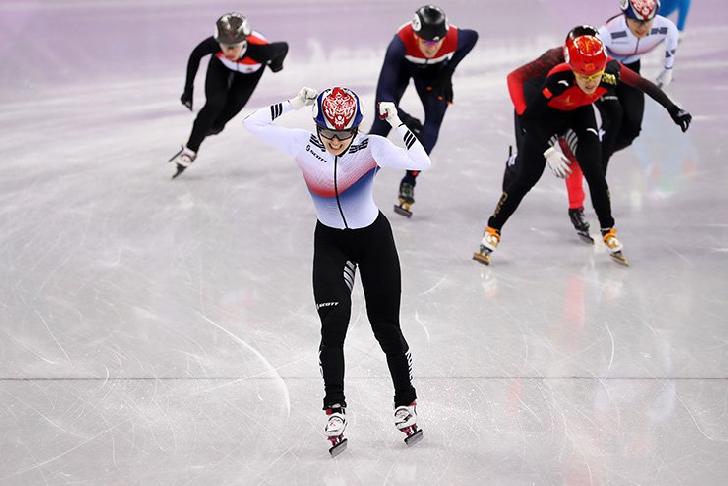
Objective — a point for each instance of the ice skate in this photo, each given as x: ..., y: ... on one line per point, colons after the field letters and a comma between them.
x: 406, y: 199
x: 405, y: 419
x: 491, y: 238
x: 581, y: 225
x: 614, y: 246
x: 335, y: 427
x: 183, y: 159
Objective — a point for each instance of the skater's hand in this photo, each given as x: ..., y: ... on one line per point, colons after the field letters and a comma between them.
x: 681, y: 118
x: 664, y: 79
x: 558, y: 163
x: 388, y: 111
x: 186, y: 98
x: 305, y: 97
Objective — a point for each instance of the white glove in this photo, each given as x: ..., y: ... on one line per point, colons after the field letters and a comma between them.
x: 387, y: 111
x: 664, y: 79
x: 558, y: 163
x: 305, y: 97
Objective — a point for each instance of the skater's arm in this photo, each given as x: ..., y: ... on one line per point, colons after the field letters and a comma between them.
x: 552, y: 87
x: 466, y: 42
x: 386, y: 154
x: 631, y: 78
x: 538, y: 68
x: 671, y: 42
x: 207, y: 46
x: 277, y: 52
x: 287, y: 140
x: 391, y: 69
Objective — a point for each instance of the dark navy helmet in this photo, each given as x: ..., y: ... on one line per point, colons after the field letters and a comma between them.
x: 430, y: 23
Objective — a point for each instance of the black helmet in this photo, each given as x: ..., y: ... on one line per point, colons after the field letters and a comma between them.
x: 430, y: 23
x: 231, y: 28
x: 580, y: 30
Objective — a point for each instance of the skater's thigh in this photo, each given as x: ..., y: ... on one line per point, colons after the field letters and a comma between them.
x: 380, y: 272
x: 243, y: 87
x: 589, y: 151
x: 633, y: 103
x: 216, y: 81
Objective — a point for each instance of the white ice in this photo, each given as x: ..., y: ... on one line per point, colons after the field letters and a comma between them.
x: 157, y: 332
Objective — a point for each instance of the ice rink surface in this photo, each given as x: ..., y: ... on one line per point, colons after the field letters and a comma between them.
x: 164, y: 333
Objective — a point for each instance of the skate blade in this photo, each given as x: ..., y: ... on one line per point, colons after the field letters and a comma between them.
x: 413, y: 439
x: 180, y: 169
x: 402, y: 211
x: 175, y: 156
x: 480, y: 257
x: 338, y: 448
x: 619, y: 258
x: 585, y: 237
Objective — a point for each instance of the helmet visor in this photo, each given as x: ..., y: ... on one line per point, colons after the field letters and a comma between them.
x: 330, y: 134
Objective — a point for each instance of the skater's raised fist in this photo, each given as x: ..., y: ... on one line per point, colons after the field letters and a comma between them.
x: 681, y: 118
x: 388, y: 111
x: 305, y: 97
x: 558, y: 163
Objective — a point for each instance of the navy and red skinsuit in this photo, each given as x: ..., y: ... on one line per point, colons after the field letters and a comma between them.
x: 432, y: 77
x: 228, y: 84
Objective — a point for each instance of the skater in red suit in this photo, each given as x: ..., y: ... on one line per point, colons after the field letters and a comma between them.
x: 563, y: 101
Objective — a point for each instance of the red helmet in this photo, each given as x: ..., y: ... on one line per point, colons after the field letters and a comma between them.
x: 585, y: 55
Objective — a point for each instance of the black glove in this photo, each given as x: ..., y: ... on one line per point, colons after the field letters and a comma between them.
x: 411, y: 122
x: 681, y: 118
x: 276, y: 65
x: 186, y: 98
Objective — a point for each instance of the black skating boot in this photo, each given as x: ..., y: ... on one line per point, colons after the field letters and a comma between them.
x: 581, y: 225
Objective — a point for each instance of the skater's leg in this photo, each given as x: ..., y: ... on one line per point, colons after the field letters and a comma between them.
x: 381, y: 279
x: 575, y: 186
x: 511, y: 168
x: 216, y: 94
x: 434, y: 114
x: 531, y: 163
x: 382, y: 127
x: 611, y: 113
x: 242, y: 88
x: 333, y: 278
x: 632, y: 102
x: 583, y: 122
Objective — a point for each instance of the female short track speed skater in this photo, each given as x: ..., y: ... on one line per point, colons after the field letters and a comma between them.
x: 563, y: 102
x: 527, y: 78
x: 427, y: 50
x: 239, y: 56
x: 627, y: 36
x: 338, y: 166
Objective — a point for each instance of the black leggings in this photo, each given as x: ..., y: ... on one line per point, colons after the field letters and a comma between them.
x: 530, y: 161
x: 337, y: 252
x: 434, y: 114
x: 226, y: 93
x: 622, y: 113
